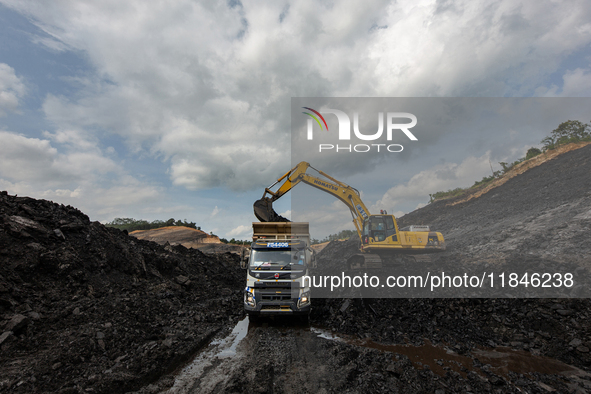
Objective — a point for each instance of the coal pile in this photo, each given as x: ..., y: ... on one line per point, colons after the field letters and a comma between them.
x: 544, y: 213
x: 541, y: 331
x: 86, y: 308
x: 539, y: 220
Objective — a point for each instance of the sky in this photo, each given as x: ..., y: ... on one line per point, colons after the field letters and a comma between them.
x: 182, y: 109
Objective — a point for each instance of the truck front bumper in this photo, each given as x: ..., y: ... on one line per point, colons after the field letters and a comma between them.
x: 277, y: 308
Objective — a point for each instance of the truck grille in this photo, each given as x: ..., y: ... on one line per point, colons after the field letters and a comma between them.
x: 276, y: 297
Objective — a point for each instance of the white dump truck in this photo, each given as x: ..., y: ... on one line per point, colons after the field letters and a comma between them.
x: 280, y: 257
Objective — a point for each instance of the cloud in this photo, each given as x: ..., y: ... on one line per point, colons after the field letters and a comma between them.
x: 240, y: 232
x: 286, y: 214
x: 205, y: 87
x: 326, y: 215
x: 215, y: 211
x: 30, y: 159
x: 183, y: 209
x: 12, y: 89
x: 110, y: 201
x: 577, y: 83
x: 78, y: 175
x: 36, y: 160
x: 439, y: 178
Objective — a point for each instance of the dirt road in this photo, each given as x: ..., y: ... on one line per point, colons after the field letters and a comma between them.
x: 282, y: 356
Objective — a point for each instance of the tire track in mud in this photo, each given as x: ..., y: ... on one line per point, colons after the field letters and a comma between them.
x: 266, y: 356
x: 210, y: 369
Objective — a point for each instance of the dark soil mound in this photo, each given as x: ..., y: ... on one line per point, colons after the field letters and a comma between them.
x: 88, y: 307
x: 544, y: 212
x: 540, y: 219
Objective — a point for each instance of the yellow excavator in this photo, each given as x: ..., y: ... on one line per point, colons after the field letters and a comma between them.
x: 381, y: 239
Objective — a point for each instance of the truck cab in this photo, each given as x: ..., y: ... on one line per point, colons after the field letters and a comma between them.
x: 279, y: 259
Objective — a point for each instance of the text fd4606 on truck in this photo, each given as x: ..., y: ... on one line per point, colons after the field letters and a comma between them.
x: 279, y: 259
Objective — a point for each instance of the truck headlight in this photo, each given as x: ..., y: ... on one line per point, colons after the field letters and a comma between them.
x: 305, y: 298
x: 249, y: 298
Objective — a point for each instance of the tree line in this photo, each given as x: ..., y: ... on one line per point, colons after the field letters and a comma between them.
x: 131, y: 224
x: 235, y: 241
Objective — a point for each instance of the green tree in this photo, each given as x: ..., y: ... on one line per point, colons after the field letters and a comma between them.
x: 532, y: 152
x: 566, y: 132
x: 131, y: 224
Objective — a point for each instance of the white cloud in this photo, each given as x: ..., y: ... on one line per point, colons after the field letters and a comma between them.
x: 324, y: 218
x: 106, y: 202
x: 50, y: 43
x: 240, y: 232
x: 577, y: 83
x: 73, y: 139
x: 182, y: 209
x: 215, y: 211
x: 206, y: 87
x: 36, y: 160
x: 80, y: 176
x: 12, y: 89
x: 439, y: 178
x: 286, y: 214
x: 28, y: 159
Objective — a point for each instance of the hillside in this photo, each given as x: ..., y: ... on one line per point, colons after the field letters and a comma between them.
x: 177, y: 235
x: 543, y: 213
x: 537, y: 221
x: 187, y: 237
x: 519, y: 168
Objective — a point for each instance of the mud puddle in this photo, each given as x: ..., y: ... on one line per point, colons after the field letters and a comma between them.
x: 209, y: 369
x: 503, y: 360
x: 440, y: 359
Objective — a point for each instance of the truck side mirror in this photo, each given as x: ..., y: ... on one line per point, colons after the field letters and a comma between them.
x: 244, y: 259
x: 313, y: 263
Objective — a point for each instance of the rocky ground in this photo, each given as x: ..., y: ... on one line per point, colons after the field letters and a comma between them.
x: 85, y: 308
x: 539, y: 220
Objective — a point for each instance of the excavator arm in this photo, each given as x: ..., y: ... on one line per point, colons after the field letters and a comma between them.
x: 263, y: 208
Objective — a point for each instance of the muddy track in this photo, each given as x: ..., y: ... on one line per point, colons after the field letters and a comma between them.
x: 284, y: 356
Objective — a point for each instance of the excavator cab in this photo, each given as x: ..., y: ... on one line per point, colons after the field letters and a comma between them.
x: 379, y: 228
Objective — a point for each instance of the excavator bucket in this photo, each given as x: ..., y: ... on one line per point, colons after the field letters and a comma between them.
x: 263, y: 210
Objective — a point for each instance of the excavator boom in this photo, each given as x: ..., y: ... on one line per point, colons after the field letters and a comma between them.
x: 263, y: 208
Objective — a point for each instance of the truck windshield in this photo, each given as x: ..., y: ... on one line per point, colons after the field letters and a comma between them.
x: 277, y: 259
